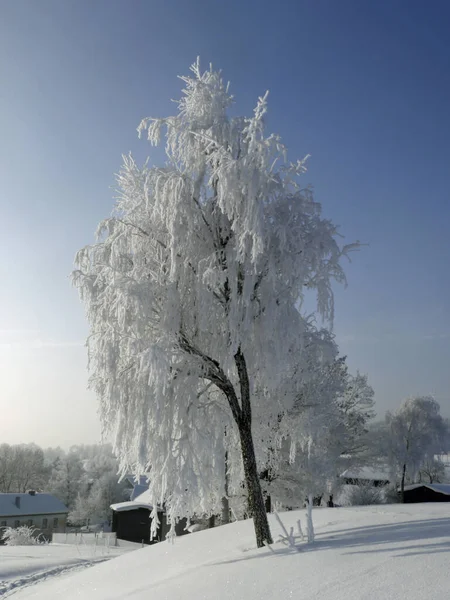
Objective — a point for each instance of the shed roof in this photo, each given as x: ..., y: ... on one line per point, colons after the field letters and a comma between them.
x: 130, y: 505
x: 19, y: 505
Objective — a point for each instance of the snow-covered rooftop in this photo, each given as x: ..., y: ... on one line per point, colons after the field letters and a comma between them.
x: 140, y: 501
x: 130, y: 505
x: 20, y: 505
x: 144, y: 497
x: 366, y: 473
x: 138, y: 489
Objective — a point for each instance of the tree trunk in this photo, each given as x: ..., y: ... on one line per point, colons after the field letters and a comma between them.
x: 255, y: 496
x: 309, y: 519
x: 402, y: 484
x: 225, y: 502
x: 243, y: 418
x: 242, y: 415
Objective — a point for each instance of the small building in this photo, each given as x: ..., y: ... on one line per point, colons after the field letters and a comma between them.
x: 42, y: 511
x: 365, y: 476
x: 131, y: 521
x: 427, y: 492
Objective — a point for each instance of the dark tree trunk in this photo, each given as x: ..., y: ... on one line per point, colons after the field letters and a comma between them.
x: 255, y: 497
x: 402, y: 484
x: 225, y: 501
x: 253, y: 484
x: 211, y: 521
x: 266, y: 476
x: 242, y: 415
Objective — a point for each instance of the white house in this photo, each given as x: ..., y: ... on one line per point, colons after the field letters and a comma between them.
x: 43, y: 511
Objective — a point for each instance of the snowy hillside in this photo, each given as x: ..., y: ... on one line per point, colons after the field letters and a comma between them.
x: 389, y: 552
x: 22, y: 566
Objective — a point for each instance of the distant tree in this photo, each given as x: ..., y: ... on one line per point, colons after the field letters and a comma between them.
x: 67, y: 479
x: 195, y: 283
x: 22, y: 467
x: 101, y: 486
x: 7, y: 468
x: 95, y: 505
x: 414, y: 434
x: 30, y: 468
x: 432, y: 470
x: 52, y: 455
x: 326, y: 431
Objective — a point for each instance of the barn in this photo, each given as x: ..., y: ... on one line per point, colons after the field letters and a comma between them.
x: 427, y: 492
x: 131, y: 521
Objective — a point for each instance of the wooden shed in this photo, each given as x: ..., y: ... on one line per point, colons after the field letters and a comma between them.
x: 427, y: 492
x: 131, y: 521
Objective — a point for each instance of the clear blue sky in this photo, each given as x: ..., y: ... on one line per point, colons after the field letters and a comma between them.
x: 362, y: 86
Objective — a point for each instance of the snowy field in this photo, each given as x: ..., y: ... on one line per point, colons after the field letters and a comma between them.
x: 23, y: 566
x: 365, y: 553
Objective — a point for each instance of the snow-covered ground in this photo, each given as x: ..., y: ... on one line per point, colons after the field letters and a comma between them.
x: 22, y: 566
x: 366, y: 553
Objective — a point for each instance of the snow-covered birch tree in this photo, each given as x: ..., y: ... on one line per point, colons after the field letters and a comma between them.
x: 193, y: 293
x: 415, y: 433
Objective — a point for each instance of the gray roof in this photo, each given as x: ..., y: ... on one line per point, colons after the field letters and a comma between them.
x: 29, y: 504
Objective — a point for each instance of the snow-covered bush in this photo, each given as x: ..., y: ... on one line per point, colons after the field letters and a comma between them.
x: 363, y: 494
x: 391, y: 495
x: 20, y: 536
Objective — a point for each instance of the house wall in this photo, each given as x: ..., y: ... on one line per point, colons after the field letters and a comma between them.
x: 134, y: 526
x: 46, y: 523
x: 423, y: 494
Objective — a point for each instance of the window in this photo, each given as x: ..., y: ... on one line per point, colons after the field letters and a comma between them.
x: 44, y: 523
x: 16, y: 523
x: 55, y: 522
x: 30, y: 522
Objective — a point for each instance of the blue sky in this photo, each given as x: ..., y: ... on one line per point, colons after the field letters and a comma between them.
x: 362, y: 86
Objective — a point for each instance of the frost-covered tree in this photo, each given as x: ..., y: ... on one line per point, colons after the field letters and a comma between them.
x: 22, y: 467
x: 414, y: 434
x: 193, y: 293
x: 325, y: 433
x: 100, y: 487
x: 67, y: 479
x: 432, y: 471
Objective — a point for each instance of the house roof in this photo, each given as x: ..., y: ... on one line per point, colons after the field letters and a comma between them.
x: 141, y: 501
x: 441, y: 488
x: 144, y: 497
x: 130, y: 505
x: 366, y: 473
x: 30, y: 504
x: 138, y: 490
